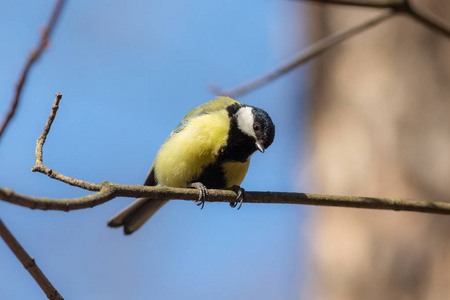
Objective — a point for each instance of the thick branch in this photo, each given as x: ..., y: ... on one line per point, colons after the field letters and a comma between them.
x: 310, y: 52
x: 29, y: 263
x: 34, y: 55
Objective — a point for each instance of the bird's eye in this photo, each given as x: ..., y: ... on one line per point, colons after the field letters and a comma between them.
x: 256, y: 127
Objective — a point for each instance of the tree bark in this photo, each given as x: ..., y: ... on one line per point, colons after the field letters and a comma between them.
x: 380, y: 127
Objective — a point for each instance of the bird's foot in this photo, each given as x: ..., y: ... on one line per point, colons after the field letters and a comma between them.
x: 203, y: 193
x: 240, y: 196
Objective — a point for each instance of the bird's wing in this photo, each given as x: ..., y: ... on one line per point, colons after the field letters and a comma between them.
x: 222, y: 102
x: 150, y: 180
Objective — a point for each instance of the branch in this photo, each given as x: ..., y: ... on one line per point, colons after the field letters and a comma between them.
x: 28, y: 263
x: 305, y: 55
x: 407, y: 6
x: 39, y: 166
x: 427, y: 18
x: 107, y: 191
x: 363, y: 3
x: 105, y: 194
x: 401, y: 6
x: 110, y: 191
x: 33, y: 57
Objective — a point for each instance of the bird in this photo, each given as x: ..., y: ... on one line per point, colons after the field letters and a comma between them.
x: 209, y: 149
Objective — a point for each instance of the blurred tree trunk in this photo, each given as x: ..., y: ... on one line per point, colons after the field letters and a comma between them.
x: 380, y: 126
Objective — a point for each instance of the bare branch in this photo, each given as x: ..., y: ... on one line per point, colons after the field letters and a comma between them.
x: 110, y: 191
x: 34, y: 55
x: 39, y: 166
x: 407, y: 6
x: 105, y: 194
x: 107, y: 191
x: 400, y: 6
x: 305, y: 55
x: 363, y: 3
x: 28, y: 263
x: 427, y: 18
x: 41, y: 139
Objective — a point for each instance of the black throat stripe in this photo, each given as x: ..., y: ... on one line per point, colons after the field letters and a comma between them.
x: 213, y: 177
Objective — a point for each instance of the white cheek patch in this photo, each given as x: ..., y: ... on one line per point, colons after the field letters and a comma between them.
x: 245, y: 121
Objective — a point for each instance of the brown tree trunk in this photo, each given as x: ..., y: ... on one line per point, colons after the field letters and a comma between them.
x: 380, y: 126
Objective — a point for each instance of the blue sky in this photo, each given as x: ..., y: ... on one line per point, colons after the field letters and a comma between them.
x: 129, y: 71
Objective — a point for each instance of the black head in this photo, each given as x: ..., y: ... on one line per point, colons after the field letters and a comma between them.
x: 251, y: 129
x: 263, y: 128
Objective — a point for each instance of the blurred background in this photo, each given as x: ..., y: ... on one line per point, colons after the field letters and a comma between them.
x: 369, y: 118
x: 129, y: 71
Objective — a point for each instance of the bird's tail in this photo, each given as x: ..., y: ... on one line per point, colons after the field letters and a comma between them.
x: 135, y: 215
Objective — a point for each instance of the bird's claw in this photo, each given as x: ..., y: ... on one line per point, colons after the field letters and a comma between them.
x: 203, y: 193
x: 240, y: 196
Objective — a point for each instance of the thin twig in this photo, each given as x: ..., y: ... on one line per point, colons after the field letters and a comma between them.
x: 28, y: 263
x: 305, y: 55
x: 33, y: 57
x: 41, y: 168
x: 41, y: 139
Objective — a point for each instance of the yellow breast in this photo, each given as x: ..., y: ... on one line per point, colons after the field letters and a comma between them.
x: 235, y: 172
x: 185, y: 153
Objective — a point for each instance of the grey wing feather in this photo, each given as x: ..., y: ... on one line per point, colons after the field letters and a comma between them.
x: 135, y: 215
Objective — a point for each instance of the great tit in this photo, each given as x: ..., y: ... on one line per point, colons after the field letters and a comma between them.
x: 209, y: 149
